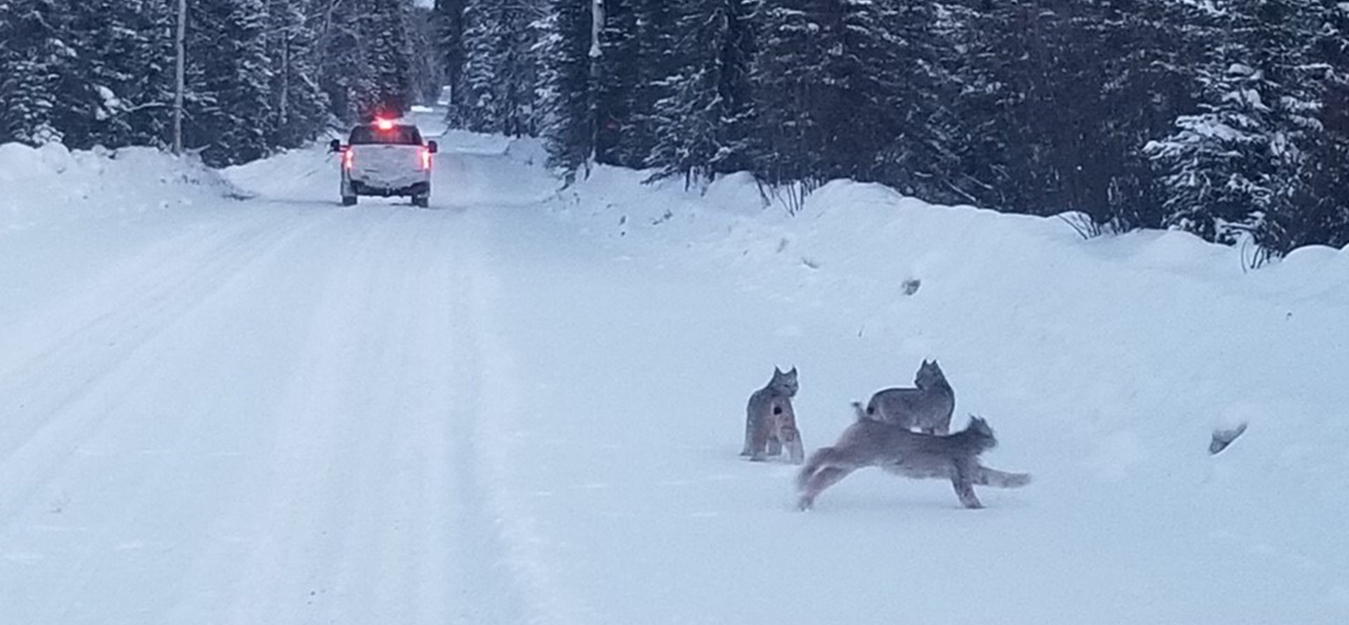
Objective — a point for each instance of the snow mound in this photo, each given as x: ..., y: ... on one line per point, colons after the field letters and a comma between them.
x: 526, y: 150
x: 122, y: 181
x: 20, y: 162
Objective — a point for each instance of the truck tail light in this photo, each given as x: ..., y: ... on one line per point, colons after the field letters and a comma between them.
x: 426, y: 159
x: 348, y: 159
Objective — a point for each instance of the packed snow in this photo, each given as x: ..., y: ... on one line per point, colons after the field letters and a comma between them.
x: 226, y: 399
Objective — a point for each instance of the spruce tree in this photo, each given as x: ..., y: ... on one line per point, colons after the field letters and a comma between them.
x: 387, y: 38
x: 33, y: 58
x: 655, y: 59
x: 1321, y: 203
x: 449, y: 43
x: 1238, y: 162
x: 300, y: 105
x: 231, y: 109
x: 701, y: 123
x: 828, y: 76
x: 501, y: 64
x: 343, y: 74
x: 565, y: 98
x: 619, y: 72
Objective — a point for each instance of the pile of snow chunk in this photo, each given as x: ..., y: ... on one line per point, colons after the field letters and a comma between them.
x: 20, y: 162
x: 51, y: 178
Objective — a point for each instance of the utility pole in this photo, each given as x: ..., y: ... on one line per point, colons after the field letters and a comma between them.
x: 181, y: 73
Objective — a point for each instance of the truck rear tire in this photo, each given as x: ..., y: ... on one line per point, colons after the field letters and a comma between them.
x: 348, y: 200
x: 422, y: 201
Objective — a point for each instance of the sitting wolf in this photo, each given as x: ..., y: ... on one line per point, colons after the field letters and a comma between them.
x: 927, y: 407
x: 770, y: 421
x: 870, y: 443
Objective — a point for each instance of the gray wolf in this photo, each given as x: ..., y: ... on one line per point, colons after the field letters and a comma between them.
x: 927, y: 407
x: 770, y: 422
x: 871, y: 443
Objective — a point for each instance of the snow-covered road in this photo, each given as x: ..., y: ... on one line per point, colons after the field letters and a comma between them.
x: 266, y: 416
x: 278, y: 410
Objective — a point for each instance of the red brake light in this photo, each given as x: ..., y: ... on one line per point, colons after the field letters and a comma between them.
x: 384, y: 124
x: 426, y: 159
x: 348, y: 158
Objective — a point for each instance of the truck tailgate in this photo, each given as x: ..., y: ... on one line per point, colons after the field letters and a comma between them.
x: 390, y: 166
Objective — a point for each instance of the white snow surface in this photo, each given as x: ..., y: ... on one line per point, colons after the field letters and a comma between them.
x: 226, y: 399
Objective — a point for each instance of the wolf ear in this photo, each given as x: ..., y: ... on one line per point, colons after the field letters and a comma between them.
x: 792, y: 371
x: 776, y: 370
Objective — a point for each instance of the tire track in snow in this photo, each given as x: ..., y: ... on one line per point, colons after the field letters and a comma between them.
x: 371, y: 510
x: 59, y: 386
x: 496, y: 429
x: 122, y: 490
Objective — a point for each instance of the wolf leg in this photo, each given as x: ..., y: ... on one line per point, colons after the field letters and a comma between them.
x: 964, y: 487
x: 795, y: 450
x: 759, y: 440
x: 822, y: 479
x: 748, y: 449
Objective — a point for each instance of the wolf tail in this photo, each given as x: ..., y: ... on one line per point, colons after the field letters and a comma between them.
x: 821, y: 457
x: 1001, y: 479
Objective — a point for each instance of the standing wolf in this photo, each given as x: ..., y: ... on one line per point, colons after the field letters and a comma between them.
x: 870, y: 443
x: 770, y: 421
x: 927, y: 407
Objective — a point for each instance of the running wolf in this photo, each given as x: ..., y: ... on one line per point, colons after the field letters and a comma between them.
x: 770, y: 421
x: 870, y: 443
x: 927, y: 407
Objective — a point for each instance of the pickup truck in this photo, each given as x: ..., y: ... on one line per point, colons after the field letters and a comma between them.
x: 385, y: 158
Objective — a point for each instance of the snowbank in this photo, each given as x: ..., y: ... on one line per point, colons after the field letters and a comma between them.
x: 52, y: 179
x: 1105, y: 365
x: 20, y: 162
x: 526, y: 406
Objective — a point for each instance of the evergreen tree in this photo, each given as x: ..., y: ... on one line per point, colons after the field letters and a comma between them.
x: 343, y: 74
x: 568, y: 111
x: 449, y: 43
x: 117, y: 86
x: 701, y: 125
x: 231, y: 108
x: 497, y: 88
x: 1239, y: 161
x: 1321, y: 213
x: 917, y: 157
x: 387, y: 37
x: 1144, y: 49
x: 428, y: 68
x: 477, y: 106
x: 33, y: 57
x: 619, y: 72
x: 827, y: 76
x: 655, y: 60
x: 300, y: 104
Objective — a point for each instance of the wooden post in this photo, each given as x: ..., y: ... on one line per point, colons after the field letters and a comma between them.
x: 181, y: 78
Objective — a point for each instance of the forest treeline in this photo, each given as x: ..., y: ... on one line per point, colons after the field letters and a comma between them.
x: 1225, y: 118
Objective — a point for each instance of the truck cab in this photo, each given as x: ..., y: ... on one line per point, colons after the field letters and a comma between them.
x: 385, y: 158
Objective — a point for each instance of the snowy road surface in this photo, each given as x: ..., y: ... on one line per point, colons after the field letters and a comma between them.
x: 277, y: 410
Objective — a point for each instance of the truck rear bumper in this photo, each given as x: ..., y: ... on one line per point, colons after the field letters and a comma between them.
x: 416, y: 188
